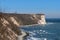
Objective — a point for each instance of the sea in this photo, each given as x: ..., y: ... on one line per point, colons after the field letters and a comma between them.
x: 49, y: 31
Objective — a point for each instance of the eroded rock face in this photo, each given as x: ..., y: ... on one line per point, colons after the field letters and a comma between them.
x: 10, y: 22
x: 25, y: 19
x: 42, y: 20
x: 8, y: 30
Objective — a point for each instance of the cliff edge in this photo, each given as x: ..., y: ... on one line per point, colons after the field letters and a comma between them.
x: 9, y: 24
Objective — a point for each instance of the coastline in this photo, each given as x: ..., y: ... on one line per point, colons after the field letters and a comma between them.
x: 23, y: 36
x: 13, y: 21
x: 31, y: 25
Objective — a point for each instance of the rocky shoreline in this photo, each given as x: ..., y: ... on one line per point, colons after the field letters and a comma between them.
x: 23, y: 36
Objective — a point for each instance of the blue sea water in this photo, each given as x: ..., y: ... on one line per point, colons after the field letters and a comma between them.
x: 50, y: 31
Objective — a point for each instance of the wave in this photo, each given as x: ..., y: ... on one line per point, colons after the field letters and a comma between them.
x: 34, y: 25
x: 32, y: 33
x: 39, y: 32
x: 50, y: 23
x: 34, y: 38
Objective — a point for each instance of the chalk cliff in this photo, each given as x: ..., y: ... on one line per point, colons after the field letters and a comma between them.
x: 42, y: 19
x: 10, y: 22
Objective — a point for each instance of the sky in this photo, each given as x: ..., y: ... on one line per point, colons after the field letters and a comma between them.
x: 51, y: 8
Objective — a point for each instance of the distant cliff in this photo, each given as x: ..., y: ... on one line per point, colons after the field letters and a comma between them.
x: 10, y: 22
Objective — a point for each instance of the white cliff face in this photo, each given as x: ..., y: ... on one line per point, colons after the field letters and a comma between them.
x: 42, y: 20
